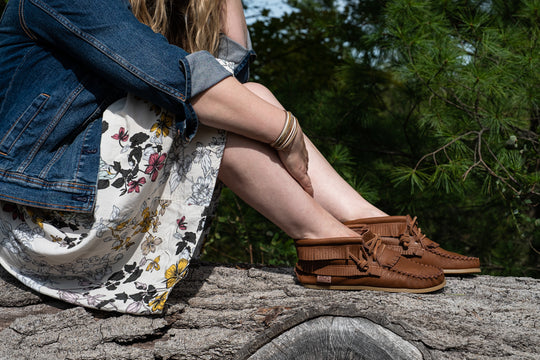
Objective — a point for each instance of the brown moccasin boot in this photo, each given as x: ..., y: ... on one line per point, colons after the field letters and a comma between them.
x: 362, y: 263
x: 402, y: 234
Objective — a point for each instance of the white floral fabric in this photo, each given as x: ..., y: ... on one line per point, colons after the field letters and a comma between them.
x: 154, y: 201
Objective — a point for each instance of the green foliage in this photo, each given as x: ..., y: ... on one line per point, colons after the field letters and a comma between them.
x: 473, y: 66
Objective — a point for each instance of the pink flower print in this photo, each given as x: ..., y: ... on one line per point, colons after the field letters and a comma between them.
x: 155, y: 163
x: 122, y: 135
x: 136, y: 185
x: 181, y: 223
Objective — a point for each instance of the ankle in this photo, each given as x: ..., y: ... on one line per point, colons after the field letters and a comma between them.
x: 324, y: 233
x: 363, y: 214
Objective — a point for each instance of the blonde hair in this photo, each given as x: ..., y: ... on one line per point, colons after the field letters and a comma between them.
x: 191, y: 24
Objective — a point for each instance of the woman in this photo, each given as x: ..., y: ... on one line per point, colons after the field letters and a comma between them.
x: 105, y: 197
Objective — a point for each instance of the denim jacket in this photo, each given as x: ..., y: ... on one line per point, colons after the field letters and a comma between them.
x: 62, y: 62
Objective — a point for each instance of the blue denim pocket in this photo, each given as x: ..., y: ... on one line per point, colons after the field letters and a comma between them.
x: 16, y: 132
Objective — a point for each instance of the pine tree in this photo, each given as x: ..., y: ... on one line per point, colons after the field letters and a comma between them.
x: 471, y: 68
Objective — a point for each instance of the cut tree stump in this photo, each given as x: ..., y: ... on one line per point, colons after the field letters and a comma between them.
x: 227, y: 312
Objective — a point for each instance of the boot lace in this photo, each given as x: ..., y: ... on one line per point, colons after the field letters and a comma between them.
x: 370, y: 250
x: 414, y: 234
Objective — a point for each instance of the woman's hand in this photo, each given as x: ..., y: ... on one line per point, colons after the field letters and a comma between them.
x: 295, y: 159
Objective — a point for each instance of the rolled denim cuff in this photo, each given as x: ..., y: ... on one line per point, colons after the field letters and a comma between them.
x: 232, y: 52
x: 205, y: 71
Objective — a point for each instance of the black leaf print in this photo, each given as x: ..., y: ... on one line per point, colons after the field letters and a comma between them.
x: 103, y: 184
x: 135, y: 155
x: 138, y: 139
x: 125, y: 172
x: 119, y: 275
x: 118, y: 183
x: 136, y: 297
x: 71, y: 242
x: 190, y: 237
x: 111, y: 287
x: 116, y: 166
x: 104, y: 126
x: 202, y: 223
x: 121, y: 296
x: 150, y: 294
x: 104, y: 303
x: 137, y: 274
x: 130, y: 268
x: 180, y: 246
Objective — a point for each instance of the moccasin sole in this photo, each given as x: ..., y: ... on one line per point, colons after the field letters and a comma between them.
x: 461, y: 271
x: 373, y: 288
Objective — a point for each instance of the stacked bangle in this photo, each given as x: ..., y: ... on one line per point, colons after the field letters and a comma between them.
x: 288, y: 133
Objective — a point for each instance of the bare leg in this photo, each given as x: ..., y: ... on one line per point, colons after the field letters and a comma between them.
x: 330, y: 190
x: 254, y: 172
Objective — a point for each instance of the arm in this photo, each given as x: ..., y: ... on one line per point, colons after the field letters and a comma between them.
x: 234, y: 22
x: 268, y: 118
x: 231, y: 106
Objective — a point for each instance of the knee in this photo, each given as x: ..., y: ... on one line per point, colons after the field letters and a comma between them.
x: 263, y: 92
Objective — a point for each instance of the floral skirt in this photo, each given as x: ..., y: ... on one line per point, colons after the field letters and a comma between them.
x: 156, y: 194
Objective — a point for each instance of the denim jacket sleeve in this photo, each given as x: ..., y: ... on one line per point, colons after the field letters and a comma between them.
x: 236, y: 57
x: 106, y: 37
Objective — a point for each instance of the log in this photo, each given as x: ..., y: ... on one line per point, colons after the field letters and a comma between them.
x: 256, y: 313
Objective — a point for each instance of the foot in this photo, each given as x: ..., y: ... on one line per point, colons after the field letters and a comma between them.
x: 402, y: 234
x: 362, y: 263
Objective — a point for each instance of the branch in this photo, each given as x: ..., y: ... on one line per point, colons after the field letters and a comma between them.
x: 502, y: 166
x: 445, y: 146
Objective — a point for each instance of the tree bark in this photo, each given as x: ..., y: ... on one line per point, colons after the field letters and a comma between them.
x: 227, y: 312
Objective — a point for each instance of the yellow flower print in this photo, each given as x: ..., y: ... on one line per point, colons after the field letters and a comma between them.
x: 175, y: 273
x: 146, y: 221
x: 158, y: 303
x: 128, y: 243
x: 154, y: 265
x: 56, y: 238
x: 120, y: 226
x: 119, y: 243
x: 163, y: 125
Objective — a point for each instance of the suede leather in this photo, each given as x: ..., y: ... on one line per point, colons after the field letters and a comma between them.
x: 362, y: 262
x: 402, y: 235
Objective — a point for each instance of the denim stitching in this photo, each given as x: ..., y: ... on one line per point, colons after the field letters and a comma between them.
x: 84, y: 142
x: 56, y: 156
x: 39, y: 203
x: 47, y: 131
x: 21, y: 64
x: 46, y: 184
x: 25, y: 28
x: 36, y: 113
x: 2, y: 16
x: 59, y: 153
x: 107, y: 52
x: 187, y: 74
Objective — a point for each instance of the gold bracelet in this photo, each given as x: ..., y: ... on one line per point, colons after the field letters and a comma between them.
x: 284, y: 132
x: 291, y: 135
